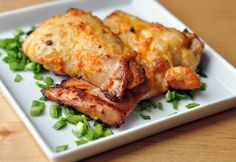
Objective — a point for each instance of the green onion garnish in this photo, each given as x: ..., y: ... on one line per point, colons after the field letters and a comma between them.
x: 79, y: 130
x: 81, y: 142
x: 59, y: 124
x: 98, y: 131
x: 145, y: 117
x: 61, y: 148
x: 160, y: 106
x: 18, y: 78
x: 48, y: 81
x: 55, y: 111
x: 73, y: 119
x: 37, y: 108
x: 90, y: 135
x: 192, y: 105
x: 108, y: 132
x: 38, y: 77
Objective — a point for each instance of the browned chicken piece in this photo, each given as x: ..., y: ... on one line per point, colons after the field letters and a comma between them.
x: 79, y: 44
x: 87, y: 98
x: 168, y: 56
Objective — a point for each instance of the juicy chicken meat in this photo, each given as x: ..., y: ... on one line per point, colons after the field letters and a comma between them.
x: 79, y: 44
x: 168, y: 56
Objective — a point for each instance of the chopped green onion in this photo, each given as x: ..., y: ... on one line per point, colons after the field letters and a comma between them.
x: 85, y: 121
x: 31, y: 66
x: 79, y: 130
x: 18, y: 33
x: 31, y: 30
x: 192, y: 105
x: 90, y: 135
x: 160, y: 106
x: 55, y: 111
x: 37, y: 108
x: 98, y: 131
x: 18, y: 78
x: 154, y: 104
x: 68, y: 111
x: 73, y: 119
x: 145, y: 117
x: 175, y: 104
x: 48, y: 81
x: 81, y: 142
x: 38, y: 77
x: 59, y: 124
x: 203, y: 86
x: 168, y: 96
x: 108, y: 132
x: 61, y: 148
x: 40, y: 85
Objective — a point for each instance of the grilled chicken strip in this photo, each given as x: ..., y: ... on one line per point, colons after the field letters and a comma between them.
x: 168, y: 56
x: 87, y: 98
x: 79, y: 44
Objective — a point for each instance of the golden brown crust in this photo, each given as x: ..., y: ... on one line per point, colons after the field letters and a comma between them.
x: 79, y: 44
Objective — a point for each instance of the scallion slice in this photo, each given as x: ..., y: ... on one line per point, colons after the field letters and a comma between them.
x: 55, y: 111
x: 37, y: 108
x: 18, y: 78
x: 81, y: 142
x: 145, y: 117
x: 59, y: 124
x: 108, y: 132
x: 62, y: 148
x: 192, y: 105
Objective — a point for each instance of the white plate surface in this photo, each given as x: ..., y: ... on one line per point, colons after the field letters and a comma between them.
x: 219, y: 96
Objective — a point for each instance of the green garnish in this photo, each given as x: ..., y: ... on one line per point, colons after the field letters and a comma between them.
x: 61, y: 148
x: 108, y: 132
x: 145, y: 117
x: 55, y: 111
x: 18, y: 78
x: 37, y: 108
x: 60, y: 124
x: 192, y: 105
x: 79, y: 130
x: 81, y: 142
x: 48, y: 82
x: 73, y: 119
x: 98, y: 131
x: 90, y: 135
x: 15, y: 57
x: 160, y: 106
x: 175, y: 96
x: 38, y: 77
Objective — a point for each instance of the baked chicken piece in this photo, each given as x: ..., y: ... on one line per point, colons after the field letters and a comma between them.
x: 169, y: 58
x: 79, y: 44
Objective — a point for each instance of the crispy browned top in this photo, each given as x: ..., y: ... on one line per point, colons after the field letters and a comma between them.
x: 78, y: 44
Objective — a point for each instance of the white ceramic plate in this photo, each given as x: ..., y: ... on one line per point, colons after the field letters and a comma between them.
x: 219, y: 96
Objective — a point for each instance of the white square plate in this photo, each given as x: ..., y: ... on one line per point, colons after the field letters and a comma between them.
x: 219, y: 96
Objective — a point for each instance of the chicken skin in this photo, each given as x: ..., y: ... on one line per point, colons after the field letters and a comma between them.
x: 79, y: 44
x: 169, y: 58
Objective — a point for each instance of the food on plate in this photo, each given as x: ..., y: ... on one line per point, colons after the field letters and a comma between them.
x: 168, y: 57
x: 77, y: 43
